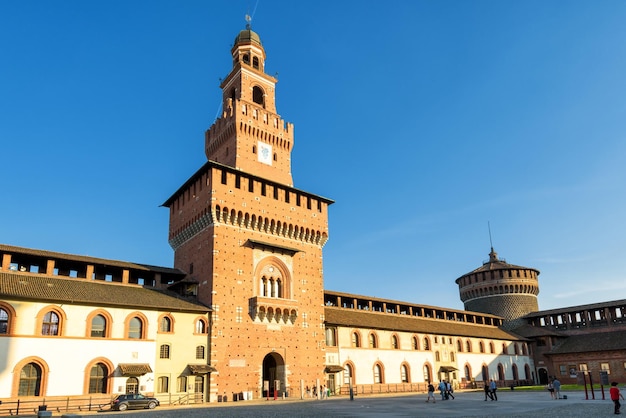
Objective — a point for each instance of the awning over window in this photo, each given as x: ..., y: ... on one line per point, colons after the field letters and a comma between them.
x: 446, y: 369
x: 201, y: 368
x: 134, y: 369
x: 333, y: 369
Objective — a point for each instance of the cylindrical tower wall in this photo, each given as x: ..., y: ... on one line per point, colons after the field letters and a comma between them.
x: 511, y: 307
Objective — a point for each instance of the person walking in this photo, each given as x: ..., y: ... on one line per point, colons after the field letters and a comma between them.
x: 493, y: 388
x: 550, y: 388
x: 449, y: 390
x: 615, y: 397
x: 487, y: 391
x: 442, y: 390
x: 557, y: 388
x: 431, y: 393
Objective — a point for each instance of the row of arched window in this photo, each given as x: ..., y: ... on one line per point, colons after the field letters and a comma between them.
x: 378, y: 373
x: 462, y: 346
x: 33, y: 373
x: 51, y: 322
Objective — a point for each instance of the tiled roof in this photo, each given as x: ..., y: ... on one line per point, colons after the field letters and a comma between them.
x: 603, y: 341
x: 82, y: 291
x: 384, y: 321
x: 134, y: 369
x: 530, y: 331
x: 86, y: 259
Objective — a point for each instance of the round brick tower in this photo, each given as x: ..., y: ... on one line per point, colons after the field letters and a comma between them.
x: 502, y: 289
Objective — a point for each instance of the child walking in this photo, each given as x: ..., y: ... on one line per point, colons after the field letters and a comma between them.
x: 615, y: 397
x: 431, y: 393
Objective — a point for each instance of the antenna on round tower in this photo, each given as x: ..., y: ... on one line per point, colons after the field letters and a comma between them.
x: 493, y: 256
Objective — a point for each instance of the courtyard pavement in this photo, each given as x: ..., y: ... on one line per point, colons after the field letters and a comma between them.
x: 511, y: 404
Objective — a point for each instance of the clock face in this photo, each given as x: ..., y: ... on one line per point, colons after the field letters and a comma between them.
x: 265, y: 153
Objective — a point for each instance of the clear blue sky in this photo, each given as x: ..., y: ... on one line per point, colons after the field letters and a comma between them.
x: 423, y: 120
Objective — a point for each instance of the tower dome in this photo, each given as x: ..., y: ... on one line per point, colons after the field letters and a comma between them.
x: 502, y: 289
x: 248, y: 36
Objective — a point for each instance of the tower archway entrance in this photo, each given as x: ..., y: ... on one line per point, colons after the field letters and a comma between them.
x: 543, y: 376
x: 273, y: 375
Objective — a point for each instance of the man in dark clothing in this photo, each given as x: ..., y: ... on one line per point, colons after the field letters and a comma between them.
x: 487, y: 391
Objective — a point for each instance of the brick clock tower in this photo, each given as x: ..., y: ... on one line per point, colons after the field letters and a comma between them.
x: 251, y: 244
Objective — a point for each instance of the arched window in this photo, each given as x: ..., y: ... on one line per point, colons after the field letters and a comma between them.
x: 437, y: 356
x: 356, y: 339
x: 492, y: 348
x: 258, y: 96
x: 452, y: 357
x: 516, y: 349
x: 372, y: 341
x: 348, y: 374
x: 255, y: 62
x: 527, y: 372
x: 200, y: 352
x: 50, y: 324
x: 515, y: 372
x: 135, y: 328
x: 98, y: 378
x: 404, y: 373
x: 415, y: 345
x: 98, y: 328
x: 274, y: 280
x: 468, y: 373
x: 331, y: 341
x: 201, y: 327
x: 165, y: 324
x: 427, y: 373
x: 500, y: 371
x: 459, y: 346
x: 504, y: 349
x: 30, y: 380
x: 378, y: 374
x: 4, y: 321
x: 485, y: 373
x: 481, y: 347
x: 164, y: 351
x: 426, y: 344
x: 468, y: 346
x: 524, y: 349
x: 394, y: 342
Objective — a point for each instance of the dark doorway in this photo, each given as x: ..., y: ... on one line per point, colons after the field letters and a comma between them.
x: 274, y: 375
x: 543, y: 376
